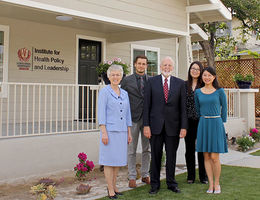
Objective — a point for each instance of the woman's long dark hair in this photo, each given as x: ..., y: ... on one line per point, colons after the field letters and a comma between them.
x: 212, y: 71
x: 199, y: 83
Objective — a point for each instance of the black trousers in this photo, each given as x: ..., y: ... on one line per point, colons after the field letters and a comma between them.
x: 171, y: 146
x: 190, y: 142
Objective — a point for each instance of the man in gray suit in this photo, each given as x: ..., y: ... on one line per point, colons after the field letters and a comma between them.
x: 134, y: 85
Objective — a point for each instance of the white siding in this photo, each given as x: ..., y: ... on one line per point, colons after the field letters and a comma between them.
x: 47, y: 37
x: 123, y: 50
x: 161, y: 13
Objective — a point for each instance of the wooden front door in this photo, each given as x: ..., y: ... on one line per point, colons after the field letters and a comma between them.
x: 89, y: 58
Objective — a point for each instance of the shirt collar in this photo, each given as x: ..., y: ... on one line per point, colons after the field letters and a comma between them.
x: 112, y: 92
x: 168, y: 79
x: 139, y: 76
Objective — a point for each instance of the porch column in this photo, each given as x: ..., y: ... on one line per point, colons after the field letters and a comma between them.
x: 247, y: 97
x: 184, y: 56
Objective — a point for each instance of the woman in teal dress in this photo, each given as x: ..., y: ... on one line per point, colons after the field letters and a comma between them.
x: 211, y: 105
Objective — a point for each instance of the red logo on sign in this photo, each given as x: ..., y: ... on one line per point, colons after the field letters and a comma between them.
x: 24, y: 54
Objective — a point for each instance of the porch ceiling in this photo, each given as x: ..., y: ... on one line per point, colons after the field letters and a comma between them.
x: 204, y: 11
x: 112, y: 32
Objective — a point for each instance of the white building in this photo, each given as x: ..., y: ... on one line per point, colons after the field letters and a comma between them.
x: 49, y: 51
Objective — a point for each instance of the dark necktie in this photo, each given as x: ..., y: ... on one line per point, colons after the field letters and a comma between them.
x: 142, y: 85
x: 165, y: 89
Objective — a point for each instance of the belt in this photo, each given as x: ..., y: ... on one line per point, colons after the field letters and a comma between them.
x: 217, y: 116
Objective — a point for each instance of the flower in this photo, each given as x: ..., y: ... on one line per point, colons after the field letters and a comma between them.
x: 84, y: 166
x: 254, y: 130
x: 42, y: 196
x: 90, y: 164
x: 82, y: 156
x: 254, y: 134
x: 103, y: 67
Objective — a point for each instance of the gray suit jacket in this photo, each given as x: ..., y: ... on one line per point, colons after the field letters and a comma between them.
x: 129, y: 83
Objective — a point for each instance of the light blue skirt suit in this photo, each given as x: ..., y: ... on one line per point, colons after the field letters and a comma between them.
x: 114, y: 112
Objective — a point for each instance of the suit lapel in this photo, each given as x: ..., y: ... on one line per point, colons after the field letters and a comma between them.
x: 160, y: 84
x: 171, y: 91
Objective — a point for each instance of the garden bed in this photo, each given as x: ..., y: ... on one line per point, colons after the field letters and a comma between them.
x: 235, y: 146
x: 66, y: 182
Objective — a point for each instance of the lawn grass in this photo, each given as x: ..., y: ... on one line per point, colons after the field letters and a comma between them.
x: 237, y: 183
x: 256, y: 153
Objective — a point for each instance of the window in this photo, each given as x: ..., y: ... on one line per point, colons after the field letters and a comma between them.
x: 4, y: 40
x: 153, y: 55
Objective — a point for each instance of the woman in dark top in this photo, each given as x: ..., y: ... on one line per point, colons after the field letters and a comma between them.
x: 194, y: 82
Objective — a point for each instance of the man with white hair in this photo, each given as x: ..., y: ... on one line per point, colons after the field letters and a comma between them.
x: 165, y: 122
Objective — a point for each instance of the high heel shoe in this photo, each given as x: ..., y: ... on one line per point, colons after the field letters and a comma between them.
x: 111, y: 197
x: 209, y: 191
x: 218, y: 190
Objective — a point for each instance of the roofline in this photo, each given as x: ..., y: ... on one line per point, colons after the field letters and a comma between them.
x: 214, y: 5
x: 223, y: 9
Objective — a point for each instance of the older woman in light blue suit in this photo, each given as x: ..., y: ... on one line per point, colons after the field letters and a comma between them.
x: 114, y: 118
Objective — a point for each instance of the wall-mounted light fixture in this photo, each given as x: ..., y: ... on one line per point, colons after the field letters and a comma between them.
x: 64, y: 18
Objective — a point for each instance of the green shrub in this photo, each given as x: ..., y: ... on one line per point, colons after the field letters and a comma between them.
x: 249, y: 77
x: 245, y: 142
x: 240, y: 77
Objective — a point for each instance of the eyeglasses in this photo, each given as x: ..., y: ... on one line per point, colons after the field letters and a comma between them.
x: 115, y: 75
x: 194, y: 69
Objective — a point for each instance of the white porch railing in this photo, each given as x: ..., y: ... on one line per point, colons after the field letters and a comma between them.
x: 31, y: 109
x: 233, y: 102
x: 38, y: 109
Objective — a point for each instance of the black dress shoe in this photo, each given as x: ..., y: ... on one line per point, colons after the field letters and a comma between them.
x: 119, y: 193
x: 204, y: 181
x: 190, y: 181
x: 153, y: 190
x: 174, y: 189
x: 112, y: 197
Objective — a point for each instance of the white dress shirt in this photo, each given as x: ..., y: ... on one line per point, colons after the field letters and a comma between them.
x: 168, y: 81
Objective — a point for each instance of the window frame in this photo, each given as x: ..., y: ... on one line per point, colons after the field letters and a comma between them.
x: 3, y: 87
x: 144, y: 48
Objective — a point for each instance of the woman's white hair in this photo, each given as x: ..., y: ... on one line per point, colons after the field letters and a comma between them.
x: 115, y: 68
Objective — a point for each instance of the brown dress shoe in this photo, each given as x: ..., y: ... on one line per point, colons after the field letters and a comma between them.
x: 132, y: 183
x: 146, y: 180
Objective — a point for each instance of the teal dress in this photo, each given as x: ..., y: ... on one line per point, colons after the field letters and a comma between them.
x: 212, y: 110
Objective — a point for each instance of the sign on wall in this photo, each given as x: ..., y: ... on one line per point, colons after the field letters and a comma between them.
x: 41, y: 59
